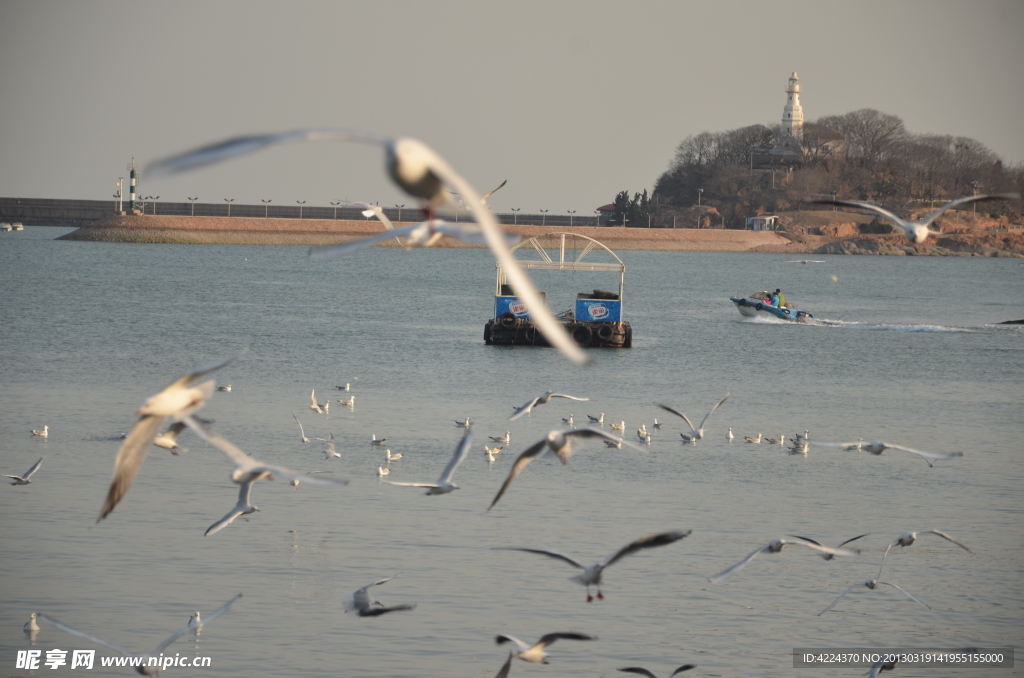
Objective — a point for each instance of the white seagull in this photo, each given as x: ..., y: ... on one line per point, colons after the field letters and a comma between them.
x: 364, y: 605
x: 373, y: 211
x: 829, y: 556
x: 419, y: 171
x: 302, y: 431
x: 502, y: 439
x: 314, y: 405
x: 374, y: 441
x: 878, y: 447
x: 872, y: 584
x: 806, y: 261
x: 729, y: 436
x: 658, y: 426
x: 248, y: 469
x: 774, y: 547
x: 351, y: 402
x: 568, y: 421
x: 144, y: 668
x: 908, y: 538
x: 916, y: 231
x: 31, y: 626
x: 621, y: 426
x: 388, y: 457
x: 492, y: 453
x: 169, y: 438
x: 25, y: 479
x: 381, y: 471
x: 561, y: 443
x: 534, y: 653
x: 540, y: 400
x: 242, y: 508
x: 444, y: 484
x: 178, y: 400
x: 645, y: 672
x: 591, y: 575
x: 42, y: 434
x: 462, y: 424
x: 696, y: 433
x: 598, y: 420
x: 756, y: 441
x: 331, y: 452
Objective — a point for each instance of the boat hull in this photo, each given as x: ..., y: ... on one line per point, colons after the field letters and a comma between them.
x: 511, y: 331
x: 751, y: 308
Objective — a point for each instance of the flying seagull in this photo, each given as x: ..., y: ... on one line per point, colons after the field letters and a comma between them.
x: 908, y: 538
x: 697, y: 433
x: 370, y: 210
x: 331, y: 452
x: 540, y: 400
x: 830, y: 556
x: 364, y: 605
x: 178, y: 400
x: 302, y: 432
x: 444, y: 484
x: 645, y: 672
x: 422, y: 173
x: 488, y: 194
x: 169, y: 438
x: 314, y: 405
x: 872, y: 584
x: 878, y: 447
x: 25, y: 479
x: 916, y: 231
x: 242, y: 508
x: 150, y: 657
x: 560, y: 443
x: 591, y: 575
x: 774, y: 547
x: 535, y: 653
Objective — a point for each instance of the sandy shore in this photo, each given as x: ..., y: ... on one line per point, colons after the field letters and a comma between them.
x: 245, y: 231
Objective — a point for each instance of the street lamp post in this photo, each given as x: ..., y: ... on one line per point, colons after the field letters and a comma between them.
x: 515, y: 215
x: 301, y: 203
x: 598, y: 213
x: 229, y: 201
x: 266, y: 207
x: 400, y: 211
x: 154, y: 198
x: 571, y: 212
x: 834, y: 207
x: 699, y: 192
x: 193, y: 201
x: 120, y: 194
x: 543, y: 216
x: 335, y: 204
x: 116, y: 196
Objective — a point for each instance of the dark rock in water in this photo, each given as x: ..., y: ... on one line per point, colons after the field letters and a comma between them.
x: 1012, y: 322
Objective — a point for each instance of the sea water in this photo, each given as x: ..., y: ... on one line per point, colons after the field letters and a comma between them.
x: 906, y: 350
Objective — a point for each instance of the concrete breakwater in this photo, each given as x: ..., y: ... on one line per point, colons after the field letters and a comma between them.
x: 260, y: 231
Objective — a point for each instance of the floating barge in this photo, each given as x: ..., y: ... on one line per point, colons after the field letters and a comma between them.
x: 595, y: 321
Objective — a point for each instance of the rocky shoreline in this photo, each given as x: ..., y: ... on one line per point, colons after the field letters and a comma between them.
x: 315, y: 232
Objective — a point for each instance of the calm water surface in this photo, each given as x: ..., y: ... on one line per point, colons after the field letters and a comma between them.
x: 907, y: 351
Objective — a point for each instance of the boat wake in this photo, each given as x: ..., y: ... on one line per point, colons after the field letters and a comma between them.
x: 885, y: 327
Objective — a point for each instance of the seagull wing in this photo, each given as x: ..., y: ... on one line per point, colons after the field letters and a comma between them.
x: 460, y: 454
x: 471, y: 233
x: 82, y: 634
x: 206, y: 620
x: 818, y: 543
x: 712, y: 410
x: 525, y: 409
x: 822, y: 549
x: 517, y: 278
x: 521, y: 461
x: 684, y: 667
x: 856, y: 443
x: 378, y: 611
x: 550, y: 638
x: 493, y: 191
x: 505, y: 668
x: 588, y: 432
x: 201, y: 372
x: 391, y: 482
x: 302, y: 432
x: 678, y: 414
x: 637, y: 669
x: 354, y: 245
x: 224, y: 150
x: 243, y: 501
x: 35, y: 467
x: 549, y: 554
x: 904, y: 592
x: 511, y: 639
x: 724, y: 574
x: 867, y: 206
x: 129, y: 460
x: 969, y: 199
x: 650, y: 541
x: 929, y: 457
x: 860, y: 583
x: 563, y: 395
x: 849, y: 540
x: 948, y: 538
x: 375, y: 210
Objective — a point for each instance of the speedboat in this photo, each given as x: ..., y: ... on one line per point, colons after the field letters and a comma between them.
x: 755, y: 305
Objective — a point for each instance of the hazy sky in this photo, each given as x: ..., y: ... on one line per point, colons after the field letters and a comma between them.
x: 570, y: 101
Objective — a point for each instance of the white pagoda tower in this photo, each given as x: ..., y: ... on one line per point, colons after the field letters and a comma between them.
x: 793, y: 113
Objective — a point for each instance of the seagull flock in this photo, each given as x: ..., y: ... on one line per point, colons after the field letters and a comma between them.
x: 422, y: 173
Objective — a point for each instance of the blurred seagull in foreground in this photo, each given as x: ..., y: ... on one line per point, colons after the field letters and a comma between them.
x: 591, y: 575
x: 916, y: 231
x: 535, y: 653
x: 560, y: 443
x: 645, y: 672
x: 25, y: 479
x: 872, y: 584
x: 829, y: 556
x: 242, y: 508
x: 422, y: 173
x: 169, y: 438
x: 908, y: 538
x: 363, y: 604
x: 696, y: 433
x: 878, y: 447
x: 178, y: 400
x: 444, y: 484
x: 150, y: 657
x: 880, y: 666
x: 774, y: 547
x: 540, y: 400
